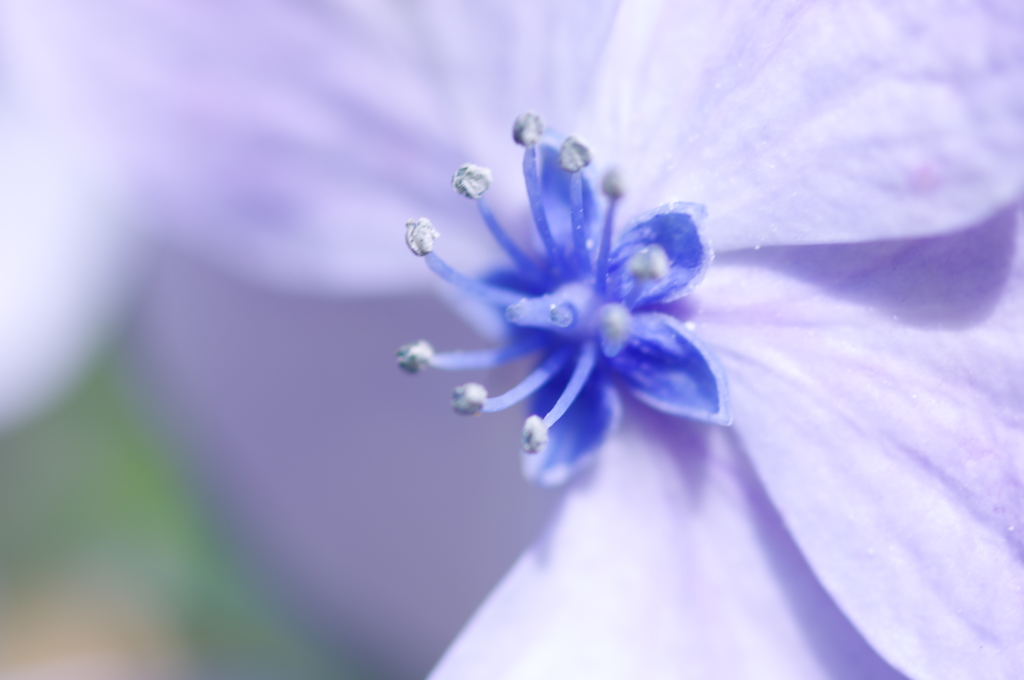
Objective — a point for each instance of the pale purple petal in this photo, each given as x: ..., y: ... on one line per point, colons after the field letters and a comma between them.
x: 879, y: 389
x: 296, y: 138
x: 668, y: 562
x: 801, y: 122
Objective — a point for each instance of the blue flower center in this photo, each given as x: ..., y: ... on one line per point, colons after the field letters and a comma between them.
x: 591, y: 310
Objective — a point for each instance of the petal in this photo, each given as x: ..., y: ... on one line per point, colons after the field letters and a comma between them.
x: 295, y: 138
x: 65, y: 260
x: 668, y: 562
x: 800, y: 122
x: 675, y: 227
x: 576, y: 436
x: 878, y: 388
x: 669, y: 369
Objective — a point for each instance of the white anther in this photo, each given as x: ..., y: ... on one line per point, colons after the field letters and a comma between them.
x: 415, y: 356
x: 528, y: 129
x: 649, y: 264
x: 420, y: 236
x: 468, y: 399
x: 535, y: 435
x: 612, y: 184
x: 472, y: 180
x: 616, y: 322
x: 574, y: 154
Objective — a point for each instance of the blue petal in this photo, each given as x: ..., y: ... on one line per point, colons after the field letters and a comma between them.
x: 675, y: 227
x: 669, y: 369
x: 577, y: 434
x: 557, y: 199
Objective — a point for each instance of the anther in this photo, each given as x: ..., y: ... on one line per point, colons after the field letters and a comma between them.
x: 528, y: 129
x: 649, y: 264
x: 415, y: 356
x: 616, y: 323
x: 612, y: 184
x: 468, y: 399
x: 420, y: 236
x: 535, y: 435
x: 574, y: 154
x: 472, y: 180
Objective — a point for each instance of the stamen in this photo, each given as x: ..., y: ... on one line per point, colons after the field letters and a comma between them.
x: 528, y: 129
x: 579, y: 233
x: 522, y: 260
x: 542, y: 312
x: 415, y: 356
x: 531, y: 173
x: 535, y: 435
x: 487, y: 293
x: 649, y: 264
x: 464, y: 360
x: 614, y: 187
x: 584, y: 366
x: 420, y: 236
x: 616, y: 323
x: 471, y: 180
x: 548, y: 369
x: 468, y: 399
x: 574, y: 155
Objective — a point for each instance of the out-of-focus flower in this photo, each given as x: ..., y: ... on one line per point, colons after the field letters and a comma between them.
x: 874, y: 384
x: 65, y: 255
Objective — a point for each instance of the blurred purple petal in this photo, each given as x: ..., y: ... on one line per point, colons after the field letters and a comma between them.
x: 797, y: 122
x: 65, y: 256
x: 878, y: 390
x: 295, y: 138
x: 667, y: 562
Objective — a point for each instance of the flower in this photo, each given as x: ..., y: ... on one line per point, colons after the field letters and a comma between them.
x: 65, y: 258
x: 590, y: 309
x: 860, y: 165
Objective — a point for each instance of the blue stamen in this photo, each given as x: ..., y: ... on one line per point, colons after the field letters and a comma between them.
x: 551, y: 312
x: 522, y: 260
x: 584, y: 366
x: 547, y: 370
x: 601, y: 282
x: 531, y: 173
x: 579, y: 232
x: 464, y: 360
x: 487, y: 293
x: 574, y: 306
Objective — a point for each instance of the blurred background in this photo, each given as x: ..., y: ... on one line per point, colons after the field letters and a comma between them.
x: 240, y: 484
x: 203, y: 476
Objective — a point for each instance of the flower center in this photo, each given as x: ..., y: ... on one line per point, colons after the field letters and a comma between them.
x: 580, y: 318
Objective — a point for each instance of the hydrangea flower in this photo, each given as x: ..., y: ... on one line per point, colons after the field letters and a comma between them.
x: 590, y: 309
x: 860, y: 165
x: 65, y: 257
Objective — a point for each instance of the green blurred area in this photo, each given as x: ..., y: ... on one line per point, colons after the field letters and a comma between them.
x: 93, y: 509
